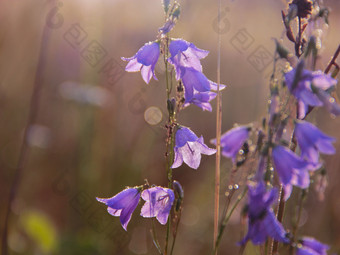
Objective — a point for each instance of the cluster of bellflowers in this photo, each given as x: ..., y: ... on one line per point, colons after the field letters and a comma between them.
x: 291, y: 157
x: 193, y: 88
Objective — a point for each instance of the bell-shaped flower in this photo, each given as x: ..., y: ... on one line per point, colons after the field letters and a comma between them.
x: 292, y: 170
x: 262, y: 222
x: 188, y: 148
x: 144, y: 61
x: 233, y: 140
x: 300, y: 85
x: 310, y: 246
x: 312, y: 141
x: 202, y: 99
x: 158, y: 203
x: 185, y: 54
x: 123, y: 204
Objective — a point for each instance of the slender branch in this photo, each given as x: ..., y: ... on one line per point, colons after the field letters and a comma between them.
x: 155, y: 239
x: 218, y: 132
x: 226, y: 219
x: 332, y: 62
x: 280, y: 212
x: 24, y: 149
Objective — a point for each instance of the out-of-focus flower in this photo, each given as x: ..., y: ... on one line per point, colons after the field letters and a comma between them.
x: 292, y: 170
x: 312, y: 141
x: 233, y: 140
x: 123, y: 204
x: 144, y: 61
x: 262, y: 222
x: 304, y: 7
x: 301, y: 87
x: 188, y: 148
x: 327, y: 100
x: 168, y: 26
x: 310, y: 246
x: 158, y: 203
x: 185, y: 54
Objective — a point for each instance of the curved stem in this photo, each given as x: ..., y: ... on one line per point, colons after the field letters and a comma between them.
x: 226, y: 219
x: 24, y: 149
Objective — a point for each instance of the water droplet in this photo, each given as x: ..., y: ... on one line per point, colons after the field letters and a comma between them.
x: 331, y: 100
x: 230, y: 187
x: 236, y: 186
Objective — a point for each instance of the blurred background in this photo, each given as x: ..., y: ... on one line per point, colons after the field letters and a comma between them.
x: 99, y: 129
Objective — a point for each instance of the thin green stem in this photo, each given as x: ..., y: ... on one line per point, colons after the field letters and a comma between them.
x: 170, y: 139
x: 155, y: 239
x: 226, y: 219
x: 175, y: 232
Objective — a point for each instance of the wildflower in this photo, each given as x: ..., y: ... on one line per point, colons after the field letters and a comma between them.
x: 292, y: 170
x: 158, y: 203
x: 233, y: 140
x: 194, y: 81
x: 123, y: 204
x: 145, y: 61
x: 310, y: 246
x: 185, y: 54
x: 304, y: 7
x: 312, y: 141
x: 188, y: 148
x: 262, y: 222
x: 202, y: 99
x: 300, y: 82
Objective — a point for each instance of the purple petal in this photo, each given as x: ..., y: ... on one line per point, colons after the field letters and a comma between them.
x: 184, y: 135
x: 178, y: 161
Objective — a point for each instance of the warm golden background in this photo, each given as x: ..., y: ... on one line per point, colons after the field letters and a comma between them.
x: 91, y: 138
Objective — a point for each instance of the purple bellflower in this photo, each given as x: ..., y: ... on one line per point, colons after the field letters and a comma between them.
x: 188, y: 148
x: 145, y: 61
x: 158, y: 203
x: 302, y: 89
x: 202, y: 99
x: 262, y: 222
x: 292, y: 170
x: 233, y: 140
x: 185, y: 55
x: 312, y: 141
x: 123, y: 204
x: 310, y: 246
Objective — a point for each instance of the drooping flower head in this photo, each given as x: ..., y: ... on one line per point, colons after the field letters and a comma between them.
x: 262, y: 222
x: 310, y: 246
x: 299, y: 82
x: 188, y: 148
x: 233, y: 140
x: 144, y: 61
x: 202, y: 100
x: 312, y: 141
x: 292, y: 170
x: 158, y: 203
x: 185, y: 54
x: 123, y: 204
